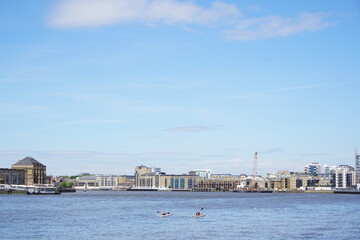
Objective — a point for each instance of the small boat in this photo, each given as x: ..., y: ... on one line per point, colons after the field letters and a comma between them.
x: 199, y: 216
x: 167, y: 214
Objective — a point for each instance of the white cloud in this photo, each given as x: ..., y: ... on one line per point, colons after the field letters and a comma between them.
x: 93, y: 13
x: 89, y: 13
x: 276, y: 26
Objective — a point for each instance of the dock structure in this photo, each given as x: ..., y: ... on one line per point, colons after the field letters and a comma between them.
x: 29, y: 189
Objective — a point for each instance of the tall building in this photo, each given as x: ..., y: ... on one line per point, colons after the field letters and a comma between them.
x: 357, y: 166
x: 35, y: 172
x: 142, y: 170
x: 314, y: 168
x: 344, y: 177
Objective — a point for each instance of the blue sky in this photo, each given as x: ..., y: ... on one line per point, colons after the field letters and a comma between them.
x: 102, y: 86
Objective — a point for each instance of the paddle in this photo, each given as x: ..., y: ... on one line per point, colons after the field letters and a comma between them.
x: 199, y: 212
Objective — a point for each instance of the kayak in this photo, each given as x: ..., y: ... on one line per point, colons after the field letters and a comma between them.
x: 201, y: 215
x: 164, y: 215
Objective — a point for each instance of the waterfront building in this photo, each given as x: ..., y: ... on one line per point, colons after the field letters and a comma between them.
x: 125, y: 182
x: 153, y: 179
x: 141, y: 170
x: 284, y: 181
x: 12, y: 176
x: 97, y: 182
x: 184, y: 182
x: 273, y: 183
x: 162, y: 181
x: 107, y: 182
x: 209, y: 185
x: 326, y: 180
x: 345, y: 177
x: 35, y: 172
x: 313, y: 168
x: 87, y: 182
x: 227, y: 182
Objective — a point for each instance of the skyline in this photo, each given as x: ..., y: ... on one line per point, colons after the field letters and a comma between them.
x: 179, y: 85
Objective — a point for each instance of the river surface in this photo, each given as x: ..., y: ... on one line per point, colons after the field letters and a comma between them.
x: 133, y: 215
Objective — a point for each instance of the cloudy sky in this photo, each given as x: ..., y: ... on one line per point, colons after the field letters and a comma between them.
x: 101, y: 86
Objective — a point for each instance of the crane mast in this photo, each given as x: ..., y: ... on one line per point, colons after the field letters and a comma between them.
x: 254, y: 171
x: 254, y: 165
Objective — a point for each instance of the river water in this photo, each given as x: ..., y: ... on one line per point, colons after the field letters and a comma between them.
x: 133, y: 215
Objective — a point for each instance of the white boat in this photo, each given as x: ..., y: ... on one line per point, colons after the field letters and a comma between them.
x: 199, y: 216
x: 164, y: 214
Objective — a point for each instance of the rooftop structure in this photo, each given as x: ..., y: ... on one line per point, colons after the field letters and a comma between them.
x: 29, y: 161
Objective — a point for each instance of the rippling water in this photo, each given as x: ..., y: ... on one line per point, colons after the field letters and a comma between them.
x: 132, y: 215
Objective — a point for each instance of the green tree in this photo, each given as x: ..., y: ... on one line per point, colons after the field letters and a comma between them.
x: 67, y: 184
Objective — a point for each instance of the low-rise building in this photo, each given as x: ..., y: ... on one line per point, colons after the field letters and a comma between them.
x: 125, y: 182
x: 87, y: 183
x: 146, y: 179
x: 97, y: 182
x: 35, y: 172
x: 107, y: 182
x: 12, y: 176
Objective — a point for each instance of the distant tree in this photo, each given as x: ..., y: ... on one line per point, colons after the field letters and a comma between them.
x: 67, y: 184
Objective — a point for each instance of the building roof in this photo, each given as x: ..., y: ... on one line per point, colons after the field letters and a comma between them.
x: 88, y: 177
x: 29, y: 161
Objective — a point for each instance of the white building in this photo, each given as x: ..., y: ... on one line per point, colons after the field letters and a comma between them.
x: 107, y: 182
x: 345, y: 177
x: 314, y: 168
x: 329, y: 169
x: 98, y: 182
x: 203, y: 173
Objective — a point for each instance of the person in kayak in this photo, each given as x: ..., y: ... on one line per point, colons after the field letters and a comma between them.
x: 197, y: 214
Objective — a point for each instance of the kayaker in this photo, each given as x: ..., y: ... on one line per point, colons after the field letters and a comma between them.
x: 197, y: 214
